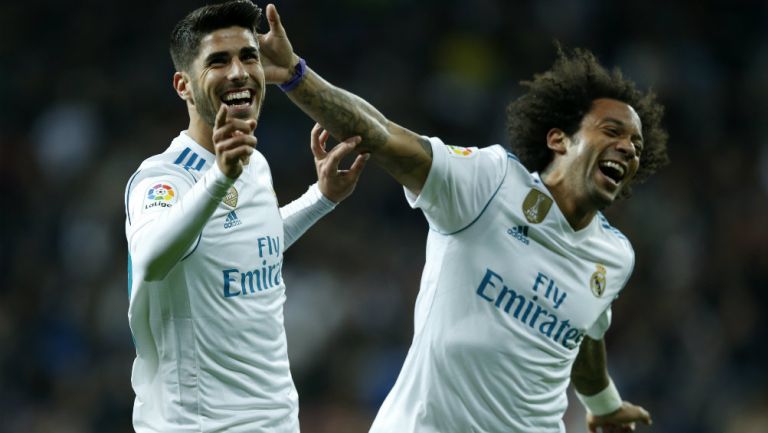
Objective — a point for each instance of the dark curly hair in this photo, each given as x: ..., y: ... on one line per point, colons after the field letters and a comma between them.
x: 563, y: 95
x: 187, y: 34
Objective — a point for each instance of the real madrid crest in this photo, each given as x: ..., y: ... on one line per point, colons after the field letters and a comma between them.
x: 597, y: 282
x: 536, y: 206
x: 231, y: 198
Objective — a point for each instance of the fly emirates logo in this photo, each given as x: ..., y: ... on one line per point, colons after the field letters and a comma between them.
x: 265, y: 276
x: 539, y: 310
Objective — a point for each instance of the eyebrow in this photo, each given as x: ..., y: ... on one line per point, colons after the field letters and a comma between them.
x: 225, y: 54
x: 619, y: 123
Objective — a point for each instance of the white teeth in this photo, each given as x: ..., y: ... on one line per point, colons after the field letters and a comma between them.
x: 237, y: 95
x: 614, y: 165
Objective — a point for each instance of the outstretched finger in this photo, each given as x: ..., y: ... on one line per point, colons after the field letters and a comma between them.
x: 275, y: 25
x: 343, y: 149
x: 318, y: 138
x: 221, y: 117
x: 358, y: 165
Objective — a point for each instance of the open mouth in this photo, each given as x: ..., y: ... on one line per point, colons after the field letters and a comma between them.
x: 238, y: 98
x: 612, y: 170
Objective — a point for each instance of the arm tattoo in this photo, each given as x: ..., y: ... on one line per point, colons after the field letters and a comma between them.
x: 344, y: 115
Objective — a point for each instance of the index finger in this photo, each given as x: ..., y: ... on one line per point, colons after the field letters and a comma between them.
x: 221, y: 117
x: 343, y: 149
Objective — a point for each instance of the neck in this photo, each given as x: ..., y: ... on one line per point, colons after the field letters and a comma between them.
x: 200, y: 131
x: 574, y: 208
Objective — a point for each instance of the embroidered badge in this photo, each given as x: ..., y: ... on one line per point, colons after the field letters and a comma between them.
x: 597, y: 282
x: 460, y: 151
x: 231, y: 198
x: 536, y: 206
x: 160, y: 196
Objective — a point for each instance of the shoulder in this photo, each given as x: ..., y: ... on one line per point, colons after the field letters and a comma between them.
x: 614, y: 236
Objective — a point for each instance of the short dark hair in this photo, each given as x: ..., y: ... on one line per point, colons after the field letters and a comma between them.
x: 563, y: 95
x: 187, y: 34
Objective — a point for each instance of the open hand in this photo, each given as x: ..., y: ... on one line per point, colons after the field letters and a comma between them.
x: 621, y: 421
x: 277, y: 55
x: 335, y: 184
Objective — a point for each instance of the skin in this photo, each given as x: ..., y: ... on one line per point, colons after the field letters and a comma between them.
x: 610, y: 131
x: 229, y: 61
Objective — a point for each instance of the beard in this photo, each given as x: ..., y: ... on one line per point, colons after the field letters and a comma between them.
x: 203, y: 105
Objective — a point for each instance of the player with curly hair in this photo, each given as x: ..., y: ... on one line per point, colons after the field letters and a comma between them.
x: 521, y: 265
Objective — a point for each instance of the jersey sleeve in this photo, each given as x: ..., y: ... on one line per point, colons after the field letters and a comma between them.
x: 166, y: 210
x: 601, y: 325
x: 299, y: 215
x: 460, y: 184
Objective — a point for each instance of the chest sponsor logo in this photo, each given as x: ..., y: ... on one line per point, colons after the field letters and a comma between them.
x: 537, y: 307
x: 598, y: 282
x: 536, y: 206
x: 263, y: 275
x: 232, y: 220
x: 231, y: 198
x: 159, y: 196
x: 520, y: 233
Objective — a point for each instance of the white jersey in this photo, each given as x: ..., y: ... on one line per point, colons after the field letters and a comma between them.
x: 207, y: 295
x: 508, y: 292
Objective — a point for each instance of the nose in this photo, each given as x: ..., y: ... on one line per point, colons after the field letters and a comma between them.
x: 627, y: 147
x: 237, y: 71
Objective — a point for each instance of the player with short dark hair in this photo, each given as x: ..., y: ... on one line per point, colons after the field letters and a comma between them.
x: 521, y: 266
x: 206, y: 239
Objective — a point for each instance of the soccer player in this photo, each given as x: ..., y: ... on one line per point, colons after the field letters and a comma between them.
x: 521, y: 266
x: 206, y: 241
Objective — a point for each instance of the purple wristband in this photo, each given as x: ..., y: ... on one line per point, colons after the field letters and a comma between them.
x: 298, y: 74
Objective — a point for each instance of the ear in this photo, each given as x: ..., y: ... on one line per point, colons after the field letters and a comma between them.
x: 557, y: 140
x: 182, y: 85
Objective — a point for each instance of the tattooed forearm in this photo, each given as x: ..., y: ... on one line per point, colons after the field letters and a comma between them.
x: 343, y: 114
x: 404, y: 154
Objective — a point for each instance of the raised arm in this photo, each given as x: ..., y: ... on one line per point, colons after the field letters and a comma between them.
x: 404, y: 154
x: 597, y: 392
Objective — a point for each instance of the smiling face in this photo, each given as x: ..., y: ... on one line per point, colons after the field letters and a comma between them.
x: 602, y: 157
x: 227, y: 70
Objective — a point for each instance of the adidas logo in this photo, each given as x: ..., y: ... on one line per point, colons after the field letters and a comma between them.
x: 232, y: 220
x: 520, y: 233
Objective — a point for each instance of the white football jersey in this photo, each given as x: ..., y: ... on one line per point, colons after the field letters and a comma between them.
x: 210, y: 341
x: 507, y: 294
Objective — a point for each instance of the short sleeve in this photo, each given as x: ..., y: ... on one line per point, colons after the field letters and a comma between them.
x: 460, y: 184
x: 601, y: 325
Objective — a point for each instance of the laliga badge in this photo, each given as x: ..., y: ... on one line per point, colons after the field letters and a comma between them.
x: 460, y: 152
x: 231, y: 198
x: 536, y: 206
x: 597, y: 281
x: 159, y: 196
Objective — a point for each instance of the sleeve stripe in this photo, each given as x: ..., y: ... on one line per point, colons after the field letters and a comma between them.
x: 182, y: 156
x: 191, y: 161
x: 501, y: 183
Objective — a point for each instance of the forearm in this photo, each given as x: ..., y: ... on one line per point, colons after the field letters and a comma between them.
x: 403, y: 154
x: 160, y: 243
x: 299, y: 215
x: 341, y: 113
x: 589, y: 373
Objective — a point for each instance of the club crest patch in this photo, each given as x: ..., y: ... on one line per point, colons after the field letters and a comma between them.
x: 231, y: 198
x: 536, y: 206
x: 597, y: 282
x: 460, y: 152
x: 161, y: 195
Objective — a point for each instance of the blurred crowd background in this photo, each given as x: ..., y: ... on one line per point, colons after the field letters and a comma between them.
x: 85, y: 96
